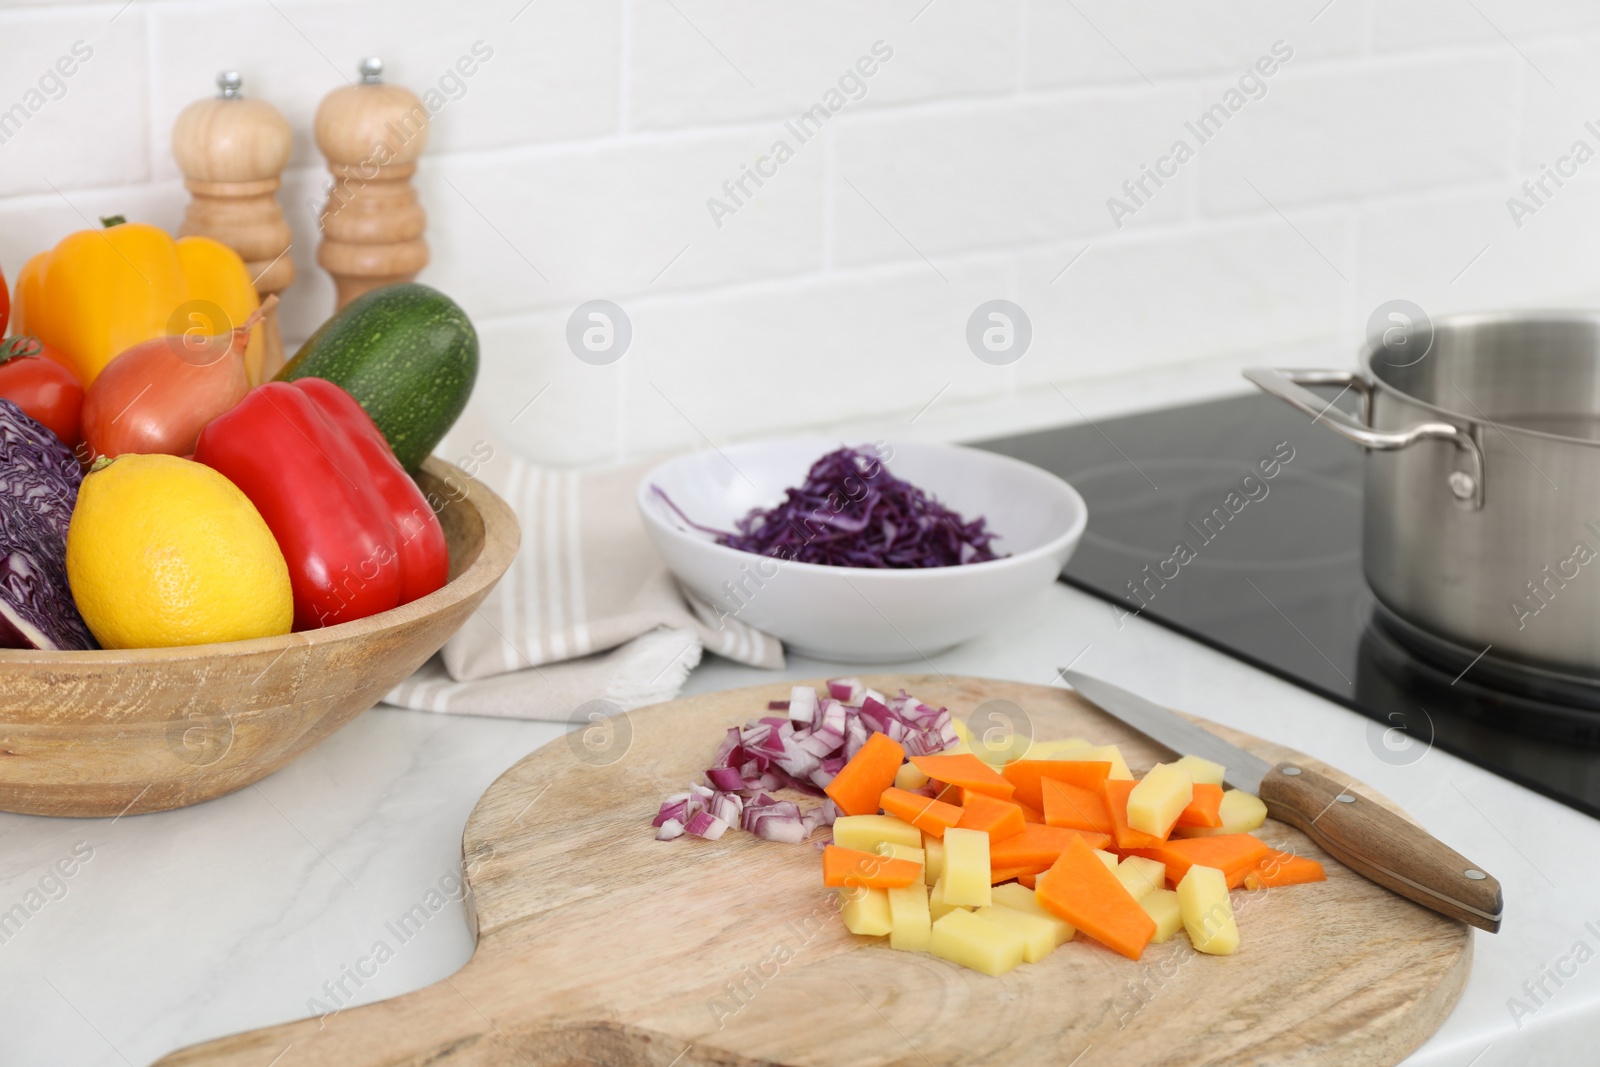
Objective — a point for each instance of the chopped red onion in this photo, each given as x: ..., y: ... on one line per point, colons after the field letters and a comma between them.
x: 725, y: 778
x: 801, y: 705
x: 704, y: 824
x: 849, y: 690
x: 802, y: 752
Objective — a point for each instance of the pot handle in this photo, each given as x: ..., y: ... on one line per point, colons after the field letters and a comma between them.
x: 1289, y: 386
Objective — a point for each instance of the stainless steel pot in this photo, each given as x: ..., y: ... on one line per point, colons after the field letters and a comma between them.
x: 1482, y: 498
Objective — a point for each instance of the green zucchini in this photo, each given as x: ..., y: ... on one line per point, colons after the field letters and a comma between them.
x: 409, y: 356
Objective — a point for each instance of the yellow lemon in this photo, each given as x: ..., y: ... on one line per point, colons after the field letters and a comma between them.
x: 164, y: 551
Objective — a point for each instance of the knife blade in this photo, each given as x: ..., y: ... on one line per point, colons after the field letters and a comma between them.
x: 1364, y: 836
x: 1244, y: 771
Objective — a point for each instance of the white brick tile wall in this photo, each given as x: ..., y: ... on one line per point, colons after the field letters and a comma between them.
x: 781, y: 357
x: 1411, y: 23
x: 550, y: 75
x: 1462, y: 251
x: 1324, y: 132
x: 1107, y: 41
x: 617, y: 218
x: 309, y: 300
x: 977, y: 163
x: 1555, y: 112
x: 549, y: 404
x: 1161, y: 299
x: 58, y: 128
x: 700, y: 61
x: 992, y: 174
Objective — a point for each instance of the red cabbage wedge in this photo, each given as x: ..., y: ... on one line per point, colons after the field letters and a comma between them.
x: 39, y: 480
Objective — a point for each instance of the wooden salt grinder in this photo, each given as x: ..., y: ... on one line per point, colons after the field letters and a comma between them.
x: 232, y: 151
x: 372, y: 226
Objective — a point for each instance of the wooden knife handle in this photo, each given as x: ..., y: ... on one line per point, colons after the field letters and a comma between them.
x: 1383, y: 847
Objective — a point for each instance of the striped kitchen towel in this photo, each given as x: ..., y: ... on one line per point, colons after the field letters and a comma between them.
x: 588, y: 610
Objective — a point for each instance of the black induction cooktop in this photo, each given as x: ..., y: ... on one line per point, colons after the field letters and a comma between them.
x: 1237, y: 522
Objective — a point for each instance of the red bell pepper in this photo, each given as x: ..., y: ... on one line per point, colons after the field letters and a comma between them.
x: 357, y: 533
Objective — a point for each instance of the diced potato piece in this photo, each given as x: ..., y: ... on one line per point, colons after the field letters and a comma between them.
x: 1140, y: 876
x: 909, y: 777
x: 1241, y: 813
x: 938, y: 907
x: 901, y: 852
x: 1160, y: 797
x: 963, y: 732
x: 962, y: 937
x: 998, y: 749
x: 866, y: 911
x: 1103, y: 753
x: 1038, y: 936
x: 1202, y: 771
x: 966, y: 867
x: 1051, y: 749
x: 911, y: 923
x: 932, y: 856
x: 1020, y: 898
x: 866, y: 832
x: 1207, y: 911
x: 1162, y: 906
x: 1107, y: 858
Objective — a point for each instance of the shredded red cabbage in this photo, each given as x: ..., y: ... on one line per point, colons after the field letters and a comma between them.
x: 851, y: 512
x: 801, y: 752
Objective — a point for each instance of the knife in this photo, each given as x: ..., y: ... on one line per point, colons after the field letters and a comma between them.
x: 1364, y: 836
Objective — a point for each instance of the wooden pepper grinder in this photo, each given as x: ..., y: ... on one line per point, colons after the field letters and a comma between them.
x: 372, y: 226
x: 232, y: 151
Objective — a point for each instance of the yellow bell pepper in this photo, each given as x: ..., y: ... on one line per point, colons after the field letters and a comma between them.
x: 100, y: 292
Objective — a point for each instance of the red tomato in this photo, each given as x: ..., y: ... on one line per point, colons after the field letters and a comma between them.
x: 36, y: 380
x: 5, y: 304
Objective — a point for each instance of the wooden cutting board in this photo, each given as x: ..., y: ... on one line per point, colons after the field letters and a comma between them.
x: 599, y: 944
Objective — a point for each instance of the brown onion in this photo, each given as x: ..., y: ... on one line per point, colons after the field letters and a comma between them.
x: 157, y: 396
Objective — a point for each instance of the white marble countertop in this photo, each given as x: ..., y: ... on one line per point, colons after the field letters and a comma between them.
x: 235, y: 914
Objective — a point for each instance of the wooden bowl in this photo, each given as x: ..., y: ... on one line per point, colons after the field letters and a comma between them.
x: 136, y: 730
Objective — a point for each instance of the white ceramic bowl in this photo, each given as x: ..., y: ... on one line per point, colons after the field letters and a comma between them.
x: 857, y: 614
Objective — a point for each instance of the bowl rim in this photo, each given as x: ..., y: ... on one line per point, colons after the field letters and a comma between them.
x: 501, y: 537
x: 1065, y: 539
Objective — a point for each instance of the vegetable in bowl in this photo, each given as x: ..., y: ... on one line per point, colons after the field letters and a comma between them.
x: 851, y: 512
x: 39, y: 480
x: 874, y: 611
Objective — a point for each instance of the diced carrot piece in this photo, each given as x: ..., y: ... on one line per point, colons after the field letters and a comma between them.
x: 1039, y: 846
x: 1009, y: 874
x: 999, y: 819
x: 932, y: 817
x: 1030, y: 815
x: 1275, y: 869
x: 1081, y: 889
x: 1029, y: 880
x: 1024, y: 774
x: 967, y: 771
x: 1075, y: 808
x: 1205, y: 809
x: 1116, y: 793
x: 1235, y: 855
x: 859, y: 784
x: 950, y: 794
x: 852, y: 867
